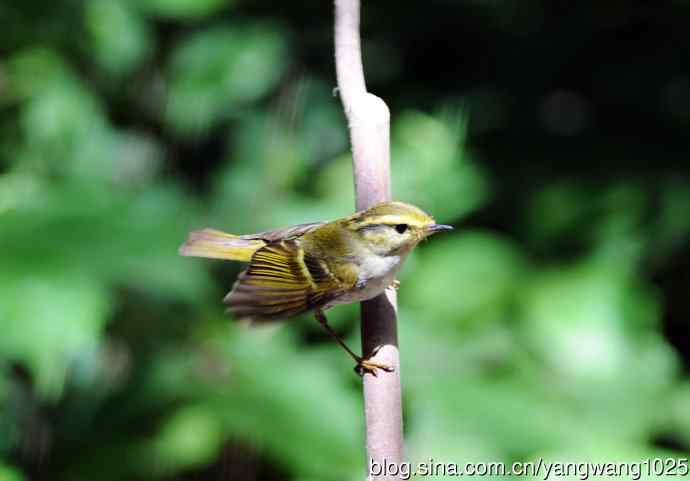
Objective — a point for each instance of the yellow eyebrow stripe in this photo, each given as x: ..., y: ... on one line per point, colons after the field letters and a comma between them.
x: 390, y: 220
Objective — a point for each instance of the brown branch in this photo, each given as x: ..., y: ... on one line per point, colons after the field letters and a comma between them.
x: 369, y: 124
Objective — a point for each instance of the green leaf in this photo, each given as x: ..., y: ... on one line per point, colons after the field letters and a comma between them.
x: 120, y: 38
x: 462, y: 276
x: 430, y: 167
x: 260, y: 371
x: 191, y: 438
x: 216, y: 71
x: 48, y: 321
x: 8, y: 473
x: 34, y: 69
x: 183, y: 9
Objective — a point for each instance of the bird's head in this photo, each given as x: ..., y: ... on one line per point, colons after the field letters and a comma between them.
x: 393, y: 228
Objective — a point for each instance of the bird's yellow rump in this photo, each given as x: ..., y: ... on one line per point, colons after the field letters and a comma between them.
x: 216, y: 244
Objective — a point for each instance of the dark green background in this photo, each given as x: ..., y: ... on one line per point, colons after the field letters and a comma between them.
x: 552, y: 323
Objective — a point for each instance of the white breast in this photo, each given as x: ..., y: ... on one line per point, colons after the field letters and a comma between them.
x: 373, y: 267
x: 375, y: 275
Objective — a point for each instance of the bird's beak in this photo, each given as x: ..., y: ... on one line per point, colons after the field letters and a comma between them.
x: 434, y: 228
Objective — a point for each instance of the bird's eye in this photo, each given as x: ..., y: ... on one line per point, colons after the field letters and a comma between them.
x: 401, y: 228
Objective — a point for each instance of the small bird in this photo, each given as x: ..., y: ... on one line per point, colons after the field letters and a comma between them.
x: 312, y: 267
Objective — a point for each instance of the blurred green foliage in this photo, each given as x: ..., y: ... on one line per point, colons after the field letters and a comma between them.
x: 125, y: 124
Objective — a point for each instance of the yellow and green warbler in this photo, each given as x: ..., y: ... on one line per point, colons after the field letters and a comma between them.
x: 311, y: 267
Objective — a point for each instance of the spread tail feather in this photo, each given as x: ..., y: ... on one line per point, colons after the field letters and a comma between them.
x: 215, y: 244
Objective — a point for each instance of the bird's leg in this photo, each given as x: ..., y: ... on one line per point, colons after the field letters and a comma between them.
x: 363, y: 365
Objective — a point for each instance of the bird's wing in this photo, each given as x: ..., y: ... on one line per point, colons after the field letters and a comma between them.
x: 285, y: 233
x: 282, y: 281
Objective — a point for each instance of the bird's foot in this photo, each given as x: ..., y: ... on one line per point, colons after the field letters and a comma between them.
x: 366, y: 365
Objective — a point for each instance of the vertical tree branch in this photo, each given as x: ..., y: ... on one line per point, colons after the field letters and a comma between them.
x: 369, y: 123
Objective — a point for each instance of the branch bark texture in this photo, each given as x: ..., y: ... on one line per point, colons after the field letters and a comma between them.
x: 369, y: 124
